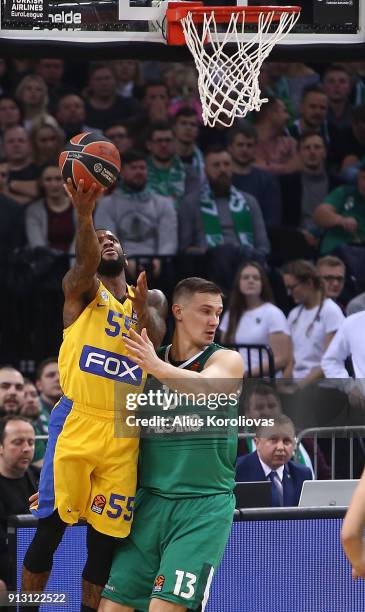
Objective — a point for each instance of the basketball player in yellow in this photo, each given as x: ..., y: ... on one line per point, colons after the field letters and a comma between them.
x: 88, y: 471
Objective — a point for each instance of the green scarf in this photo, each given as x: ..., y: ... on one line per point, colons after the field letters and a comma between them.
x: 198, y: 163
x: 241, y: 217
x: 168, y: 182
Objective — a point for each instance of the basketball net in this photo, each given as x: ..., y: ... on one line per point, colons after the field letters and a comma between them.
x: 229, y: 84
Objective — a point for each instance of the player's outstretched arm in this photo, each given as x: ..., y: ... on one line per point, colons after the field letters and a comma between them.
x: 81, y: 277
x: 353, y: 529
x: 221, y: 374
x: 151, y: 309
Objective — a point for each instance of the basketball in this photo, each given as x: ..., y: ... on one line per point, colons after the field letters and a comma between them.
x: 90, y: 157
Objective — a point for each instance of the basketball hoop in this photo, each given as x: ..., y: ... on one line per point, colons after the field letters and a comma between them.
x: 228, y: 84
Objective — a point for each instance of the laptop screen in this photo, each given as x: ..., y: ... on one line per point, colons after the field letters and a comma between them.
x: 253, y: 494
x: 317, y: 493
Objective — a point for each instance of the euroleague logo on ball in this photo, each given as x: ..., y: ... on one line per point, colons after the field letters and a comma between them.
x: 92, y: 158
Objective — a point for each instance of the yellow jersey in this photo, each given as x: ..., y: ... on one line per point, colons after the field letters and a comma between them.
x: 95, y: 371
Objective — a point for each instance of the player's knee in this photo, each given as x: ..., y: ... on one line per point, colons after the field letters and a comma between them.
x: 39, y: 556
x: 100, y: 549
x: 161, y: 605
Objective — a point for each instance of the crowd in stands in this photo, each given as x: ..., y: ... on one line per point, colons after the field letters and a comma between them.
x: 272, y: 209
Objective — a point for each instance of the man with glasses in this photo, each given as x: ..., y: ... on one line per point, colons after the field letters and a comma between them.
x: 332, y: 271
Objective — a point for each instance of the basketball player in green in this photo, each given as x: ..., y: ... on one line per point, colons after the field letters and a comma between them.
x: 184, y: 507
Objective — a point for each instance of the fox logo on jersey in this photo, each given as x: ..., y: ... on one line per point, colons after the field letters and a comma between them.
x: 158, y: 585
x: 110, y: 365
x: 98, y: 504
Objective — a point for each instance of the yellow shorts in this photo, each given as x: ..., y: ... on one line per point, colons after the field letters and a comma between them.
x: 88, y: 473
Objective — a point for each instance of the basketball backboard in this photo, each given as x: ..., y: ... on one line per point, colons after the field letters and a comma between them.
x: 132, y: 22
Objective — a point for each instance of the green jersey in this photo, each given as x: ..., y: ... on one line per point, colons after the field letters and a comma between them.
x: 190, y: 464
x: 348, y: 202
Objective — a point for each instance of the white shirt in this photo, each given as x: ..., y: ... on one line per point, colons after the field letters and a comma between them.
x: 309, y: 332
x: 349, y: 340
x: 268, y: 470
x: 255, y: 326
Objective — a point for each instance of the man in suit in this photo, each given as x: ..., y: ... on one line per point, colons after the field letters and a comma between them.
x: 275, y: 446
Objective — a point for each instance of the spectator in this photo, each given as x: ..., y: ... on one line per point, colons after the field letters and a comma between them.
x: 143, y: 221
x: 11, y: 220
x: 332, y: 271
x: 272, y: 460
x: 119, y: 136
x: 10, y: 113
x: 129, y: 76
x: 47, y: 142
x: 312, y: 114
x: 313, y: 322
x: 276, y: 150
x: 31, y: 409
x: 32, y: 95
x: 348, y: 341
x: 18, y: 481
x: 262, y: 401
x: 50, y: 222
x: 52, y: 71
x: 71, y: 115
x: 252, y: 318
x: 186, y: 130
x: 154, y: 100
x: 23, y: 172
x: 103, y: 104
x: 298, y: 237
x: 342, y: 215
x: 48, y: 385
x: 11, y: 391
x: 337, y: 86
x: 226, y: 221
x: 167, y: 175
x: 250, y: 179
x: 300, y: 77
x: 352, y: 146
x: 184, y: 92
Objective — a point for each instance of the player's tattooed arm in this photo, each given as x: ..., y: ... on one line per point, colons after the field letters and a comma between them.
x: 81, y: 278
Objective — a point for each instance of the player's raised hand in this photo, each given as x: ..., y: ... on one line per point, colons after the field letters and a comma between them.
x: 141, y: 351
x: 83, y: 201
x: 139, y: 294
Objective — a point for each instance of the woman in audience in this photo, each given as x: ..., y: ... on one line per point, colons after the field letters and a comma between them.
x: 47, y: 141
x: 50, y: 221
x: 252, y: 318
x: 313, y: 322
x: 32, y: 94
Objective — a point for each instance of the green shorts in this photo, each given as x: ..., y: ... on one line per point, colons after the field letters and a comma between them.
x: 172, y: 552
